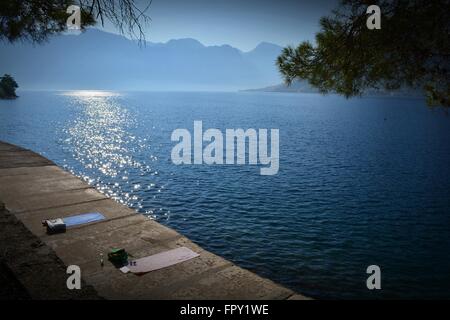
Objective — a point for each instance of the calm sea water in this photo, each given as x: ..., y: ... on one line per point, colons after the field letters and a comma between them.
x: 361, y: 182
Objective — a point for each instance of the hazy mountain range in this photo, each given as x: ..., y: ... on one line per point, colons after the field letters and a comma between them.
x: 100, y: 60
x: 302, y: 86
x: 298, y: 86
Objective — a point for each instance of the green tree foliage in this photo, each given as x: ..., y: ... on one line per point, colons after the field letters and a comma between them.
x: 8, y: 87
x: 36, y: 20
x: 410, y: 50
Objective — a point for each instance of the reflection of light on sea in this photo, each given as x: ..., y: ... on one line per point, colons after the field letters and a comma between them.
x: 90, y: 93
x: 100, y: 140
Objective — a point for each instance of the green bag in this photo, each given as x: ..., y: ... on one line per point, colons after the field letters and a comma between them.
x: 118, y: 256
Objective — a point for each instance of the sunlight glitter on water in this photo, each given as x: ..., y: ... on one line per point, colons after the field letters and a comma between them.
x: 90, y: 93
x: 100, y: 140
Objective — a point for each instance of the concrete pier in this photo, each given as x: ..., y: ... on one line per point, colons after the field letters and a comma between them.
x: 33, y: 188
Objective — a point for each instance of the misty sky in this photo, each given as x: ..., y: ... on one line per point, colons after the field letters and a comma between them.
x: 240, y: 23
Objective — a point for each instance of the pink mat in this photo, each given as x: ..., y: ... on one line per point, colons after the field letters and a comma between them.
x: 160, y: 260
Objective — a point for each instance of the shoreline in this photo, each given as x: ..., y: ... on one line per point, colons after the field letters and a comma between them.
x: 33, y: 188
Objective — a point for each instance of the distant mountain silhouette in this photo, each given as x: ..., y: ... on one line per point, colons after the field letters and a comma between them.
x: 302, y: 86
x: 296, y: 86
x: 100, y: 60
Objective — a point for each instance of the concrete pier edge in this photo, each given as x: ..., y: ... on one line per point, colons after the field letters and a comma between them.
x: 33, y: 188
